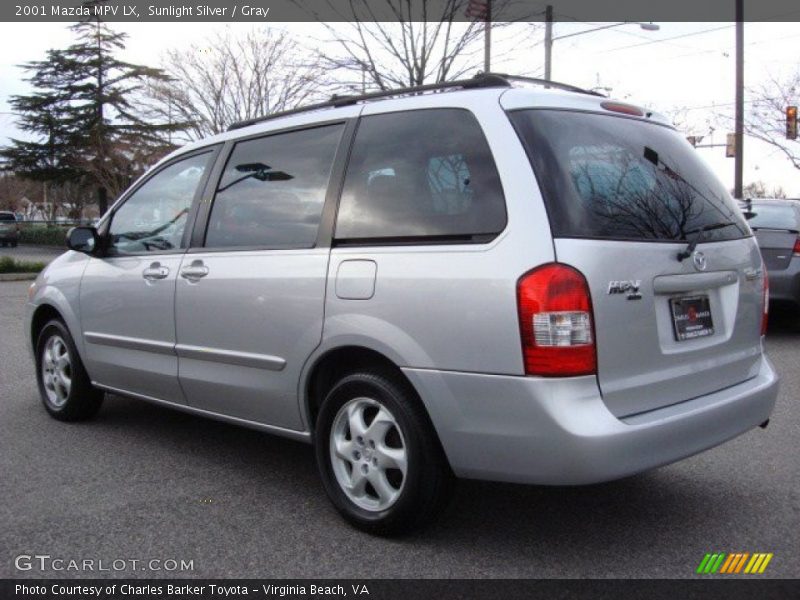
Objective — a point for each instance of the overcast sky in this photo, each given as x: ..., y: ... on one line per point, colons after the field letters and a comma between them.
x: 682, y: 65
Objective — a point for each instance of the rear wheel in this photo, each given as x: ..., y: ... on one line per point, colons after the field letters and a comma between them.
x: 13, y: 244
x: 65, y: 388
x: 378, y: 455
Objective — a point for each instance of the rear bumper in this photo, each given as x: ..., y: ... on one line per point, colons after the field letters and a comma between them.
x: 559, y: 431
x: 9, y: 236
x: 784, y: 285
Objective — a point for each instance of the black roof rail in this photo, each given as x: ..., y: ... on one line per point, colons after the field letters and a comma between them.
x: 481, y: 80
x: 545, y: 83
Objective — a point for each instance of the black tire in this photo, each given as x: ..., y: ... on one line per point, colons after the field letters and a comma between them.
x: 427, y: 486
x: 13, y: 244
x: 80, y: 400
x: 4, y: 244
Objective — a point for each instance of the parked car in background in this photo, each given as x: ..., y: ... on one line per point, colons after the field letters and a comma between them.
x: 9, y: 229
x: 493, y: 281
x: 776, y: 224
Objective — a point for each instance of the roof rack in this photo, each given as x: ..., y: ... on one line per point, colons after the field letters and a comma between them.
x: 481, y: 80
x: 545, y: 83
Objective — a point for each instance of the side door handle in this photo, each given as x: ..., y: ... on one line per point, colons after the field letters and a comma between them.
x: 195, y: 271
x: 155, y: 271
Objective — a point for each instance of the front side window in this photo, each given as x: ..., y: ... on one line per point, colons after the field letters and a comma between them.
x: 273, y: 190
x: 154, y: 218
x: 422, y: 174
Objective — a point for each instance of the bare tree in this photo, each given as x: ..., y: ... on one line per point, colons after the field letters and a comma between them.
x: 14, y: 188
x: 231, y: 78
x: 767, y: 118
x: 759, y: 189
x: 424, y: 43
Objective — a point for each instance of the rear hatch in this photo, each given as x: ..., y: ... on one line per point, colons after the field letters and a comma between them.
x: 776, y: 227
x: 625, y: 197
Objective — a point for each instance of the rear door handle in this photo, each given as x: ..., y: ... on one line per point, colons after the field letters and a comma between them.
x: 155, y: 272
x: 194, y: 272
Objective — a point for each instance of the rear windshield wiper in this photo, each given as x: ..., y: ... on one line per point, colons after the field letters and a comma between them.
x: 786, y: 229
x: 698, y: 235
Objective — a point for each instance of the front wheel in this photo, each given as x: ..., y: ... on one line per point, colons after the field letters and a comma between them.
x: 66, y: 390
x: 379, y: 458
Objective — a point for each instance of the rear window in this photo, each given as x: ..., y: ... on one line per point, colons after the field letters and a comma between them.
x: 421, y: 175
x: 7, y: 217
x: 623, y: 179
x: 773, y: 216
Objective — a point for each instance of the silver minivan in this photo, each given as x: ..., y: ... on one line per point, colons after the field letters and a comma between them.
x: 487, y: 279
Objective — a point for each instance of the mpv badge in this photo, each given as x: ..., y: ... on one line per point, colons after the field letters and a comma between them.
x: 629, y: 287
x: 699, y: 260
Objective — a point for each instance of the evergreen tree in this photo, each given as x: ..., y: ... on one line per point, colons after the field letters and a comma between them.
x: 84, y: 116
x: 43, y: 115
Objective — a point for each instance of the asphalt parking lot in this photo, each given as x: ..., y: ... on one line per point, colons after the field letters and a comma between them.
x: 143, y: 482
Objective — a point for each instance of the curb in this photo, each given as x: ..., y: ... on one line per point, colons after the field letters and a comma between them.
x: 17, y: 276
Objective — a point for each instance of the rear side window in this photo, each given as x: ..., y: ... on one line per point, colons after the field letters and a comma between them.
x: 273, y: 190
x: 418, y: 175
x: 774, y: 216
x: 7, y: 217
x: 623, y: 179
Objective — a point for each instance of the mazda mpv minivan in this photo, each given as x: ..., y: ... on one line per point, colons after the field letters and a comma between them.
x: 485, y: 279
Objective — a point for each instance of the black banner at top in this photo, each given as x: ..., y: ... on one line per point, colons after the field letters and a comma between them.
x: 265, y: 11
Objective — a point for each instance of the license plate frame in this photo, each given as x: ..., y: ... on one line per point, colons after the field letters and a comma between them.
x: 691, y: 317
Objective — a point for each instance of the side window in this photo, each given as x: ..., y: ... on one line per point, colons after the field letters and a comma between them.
x: 426, y: 173
x: 154, y: 217
x: 273, y: 190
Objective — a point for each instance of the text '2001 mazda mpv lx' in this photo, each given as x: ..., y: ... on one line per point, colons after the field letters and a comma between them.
x: 480, y: 279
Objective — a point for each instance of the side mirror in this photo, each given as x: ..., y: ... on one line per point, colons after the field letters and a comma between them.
x: 83, y: 239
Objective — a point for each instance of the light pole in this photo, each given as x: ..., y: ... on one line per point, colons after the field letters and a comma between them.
x: 738, y: 167
x: 549, y: 39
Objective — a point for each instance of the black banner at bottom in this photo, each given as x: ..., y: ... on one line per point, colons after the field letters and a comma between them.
x: 400, y: 589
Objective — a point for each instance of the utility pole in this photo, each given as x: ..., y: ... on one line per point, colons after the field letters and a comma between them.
x: 487, y: 39
x: 739, y: 131
x: 548, y: 40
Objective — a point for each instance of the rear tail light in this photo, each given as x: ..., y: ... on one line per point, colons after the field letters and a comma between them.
x: 555, y: 320
x: 796, y: 249
x: 765, y: 301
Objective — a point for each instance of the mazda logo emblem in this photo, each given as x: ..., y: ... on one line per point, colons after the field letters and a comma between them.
x: 700, y: 261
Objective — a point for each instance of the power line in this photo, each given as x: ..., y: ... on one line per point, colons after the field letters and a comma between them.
x: 677, y: 37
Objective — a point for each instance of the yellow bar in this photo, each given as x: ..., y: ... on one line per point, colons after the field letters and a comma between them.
x: 753, y: 561
x: 766, y: 562
x: 761, y: 557
x: 727, y: 563
x: 741, y: 561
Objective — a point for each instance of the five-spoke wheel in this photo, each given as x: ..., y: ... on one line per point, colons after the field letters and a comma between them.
x: 66, y: 390
x: 377, y: 452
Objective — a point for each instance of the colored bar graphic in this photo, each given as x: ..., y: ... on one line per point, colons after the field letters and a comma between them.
x: 722, y: 563
x: 741, y: 562
x: 718, y: 564
x: 727, y: 564
x: 703, y: 563
x: 766, y: 562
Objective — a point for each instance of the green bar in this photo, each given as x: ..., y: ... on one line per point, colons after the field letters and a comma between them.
x: 718, y: 564
x: 711, y: 562
x: 703, y: 563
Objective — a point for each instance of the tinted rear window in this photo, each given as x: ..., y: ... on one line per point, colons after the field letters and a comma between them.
x: 773, y: 216
x: 7, y: 217
x: 424, y: 174
x: 623, y: 179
